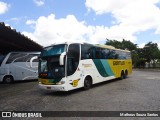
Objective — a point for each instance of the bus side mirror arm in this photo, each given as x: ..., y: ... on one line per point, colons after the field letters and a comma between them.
x: 61, y: 58
x: 31, y: 61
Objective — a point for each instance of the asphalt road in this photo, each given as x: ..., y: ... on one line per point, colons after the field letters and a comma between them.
x: 139, y: 92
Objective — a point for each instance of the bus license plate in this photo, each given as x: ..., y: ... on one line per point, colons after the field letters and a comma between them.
x: 48, y: 88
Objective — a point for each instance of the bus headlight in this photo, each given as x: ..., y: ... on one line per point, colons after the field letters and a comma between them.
x: 61, y: 82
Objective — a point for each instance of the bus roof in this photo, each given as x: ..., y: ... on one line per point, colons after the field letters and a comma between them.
x: 105, y: 46
x: 98, y: 45
x: 111, y: 47
x: 67, y: 42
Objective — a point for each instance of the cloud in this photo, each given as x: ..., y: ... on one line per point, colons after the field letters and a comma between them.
x: 3, y: 7
x: 155, y: 41
x: 14, y: 19
x: 39, y: 2
x: 141, y: 45
x: 132, y: 16
x: 29, y: 22
x: 158, y: 42
x: 48, y: 30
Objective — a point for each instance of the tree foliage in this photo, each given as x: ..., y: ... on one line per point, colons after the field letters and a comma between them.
x: 122, y: 45
x: 151, y: 51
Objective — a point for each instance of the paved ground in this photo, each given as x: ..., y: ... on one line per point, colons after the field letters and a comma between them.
x: 139, y: 92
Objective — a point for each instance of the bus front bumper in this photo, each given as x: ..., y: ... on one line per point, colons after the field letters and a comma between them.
x: 52, y: 87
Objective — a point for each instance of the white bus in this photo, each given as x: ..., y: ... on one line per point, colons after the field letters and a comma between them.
x: 68, y: 66
x: 16, y: 66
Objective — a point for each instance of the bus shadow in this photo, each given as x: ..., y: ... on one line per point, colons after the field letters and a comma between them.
x: 18, y: 82
x: 76, y: 91
x: 24, y: 81
x: 61, y: 93
x: 105, y: 82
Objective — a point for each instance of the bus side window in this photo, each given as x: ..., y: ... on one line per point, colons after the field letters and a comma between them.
x: 26, y: 58
x: 88, y: 51
x: 92, y: 52
x: 84, y: 52
x: 99, y: 53
x: 120, y: 55
x: 2, y: 57
x: 110, y: 54
x: 105, y: 53
x: 14, y: 57
x: 117, y: 54
x: 128, y: 54
x: 123, y: 55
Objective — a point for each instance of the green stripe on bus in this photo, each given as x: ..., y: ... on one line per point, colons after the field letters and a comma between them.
x: 56, y: 80
x: 103, y: 67
x: 107, y: 67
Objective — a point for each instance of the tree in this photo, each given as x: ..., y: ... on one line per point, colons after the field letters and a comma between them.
x: 128, y: 45
x: 114, y: 43
x: 151, y: 53
x: 125, y: 44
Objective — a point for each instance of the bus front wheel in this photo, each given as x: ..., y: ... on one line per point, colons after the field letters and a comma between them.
x: 87, y: 83
x: 8, y: 79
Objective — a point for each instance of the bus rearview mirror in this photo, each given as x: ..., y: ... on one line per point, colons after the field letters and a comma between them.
x: 61, y: 58
x: 31, y: 61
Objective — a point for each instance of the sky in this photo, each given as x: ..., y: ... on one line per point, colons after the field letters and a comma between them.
x: 92, y: 21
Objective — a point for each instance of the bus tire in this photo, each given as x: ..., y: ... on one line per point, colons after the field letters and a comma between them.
x: 87, y: 83
x: 8, y: 79
x: 126, y: 73
x: 122, y: 75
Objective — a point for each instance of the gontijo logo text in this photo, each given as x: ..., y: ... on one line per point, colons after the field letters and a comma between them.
x: 118, y: 63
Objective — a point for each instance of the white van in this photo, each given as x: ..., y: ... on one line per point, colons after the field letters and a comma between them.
x: 16, y: 66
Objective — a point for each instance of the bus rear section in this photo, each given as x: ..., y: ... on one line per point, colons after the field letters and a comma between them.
x: 16, y: 66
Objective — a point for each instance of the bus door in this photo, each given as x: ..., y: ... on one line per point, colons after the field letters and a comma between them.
x: 73, y: 72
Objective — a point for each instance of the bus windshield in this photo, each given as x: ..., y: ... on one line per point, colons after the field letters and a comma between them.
x: 49, y: 66
x: 1, y: 59
x: 54, y: 50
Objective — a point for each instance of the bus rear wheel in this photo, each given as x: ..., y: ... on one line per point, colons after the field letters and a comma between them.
x: 123, y: 75
x: 8, y: 79
x: 87, y: 83
x: 126, y: 73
